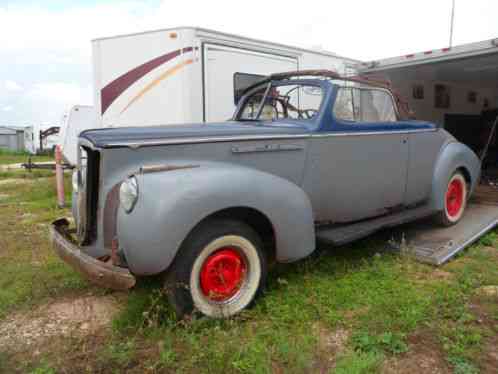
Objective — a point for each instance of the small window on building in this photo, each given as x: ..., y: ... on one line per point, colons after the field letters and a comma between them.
x: 241, y: 81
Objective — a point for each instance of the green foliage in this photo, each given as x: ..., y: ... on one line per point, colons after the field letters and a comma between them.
x: 489, y: 239
x: 462, y: 366
x: 385, y: 342
x: 14, y: 157
x: 120, y: 354
x: 44, y: 368
x: 359, y: 363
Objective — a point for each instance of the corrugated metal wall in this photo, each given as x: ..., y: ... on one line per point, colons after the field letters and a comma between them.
x: 14, y: 142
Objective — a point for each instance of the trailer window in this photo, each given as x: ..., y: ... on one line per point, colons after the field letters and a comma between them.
x: 241, y: 81
x: 364, y: 105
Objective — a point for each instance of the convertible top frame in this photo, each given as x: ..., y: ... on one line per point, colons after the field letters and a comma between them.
x: 403, y: 109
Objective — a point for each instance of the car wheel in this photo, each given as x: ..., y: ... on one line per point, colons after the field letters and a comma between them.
x: 218, y: 271
x: 455, y: 200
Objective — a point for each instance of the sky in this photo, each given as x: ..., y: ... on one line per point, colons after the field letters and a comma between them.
x: 45, y: 46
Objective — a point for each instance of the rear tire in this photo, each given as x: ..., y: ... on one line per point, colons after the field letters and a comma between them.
x: 219, y: 270
x: 455, y: 200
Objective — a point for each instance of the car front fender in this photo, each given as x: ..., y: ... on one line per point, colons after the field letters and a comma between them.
x: 453, y: 156
x: 171, y: 203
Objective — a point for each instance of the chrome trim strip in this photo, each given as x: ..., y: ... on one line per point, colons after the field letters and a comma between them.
x: 205, y: 140
x: 220, y: 139
x: 363, y: 133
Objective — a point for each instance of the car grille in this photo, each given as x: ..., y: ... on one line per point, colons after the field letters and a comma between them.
x: 88, y: 180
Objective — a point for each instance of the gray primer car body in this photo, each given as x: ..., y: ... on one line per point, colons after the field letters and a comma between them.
x: 296, y: 173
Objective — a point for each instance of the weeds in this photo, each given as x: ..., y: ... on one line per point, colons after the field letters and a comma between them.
x: 358, y: 363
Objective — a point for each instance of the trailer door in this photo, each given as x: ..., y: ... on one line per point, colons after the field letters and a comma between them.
x: 222, y: 63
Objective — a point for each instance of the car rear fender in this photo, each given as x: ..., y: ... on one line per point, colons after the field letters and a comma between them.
x: 453, y: 156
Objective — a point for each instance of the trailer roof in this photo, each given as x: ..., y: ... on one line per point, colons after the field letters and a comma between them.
x: 462, y: 51
x: 206, y: 32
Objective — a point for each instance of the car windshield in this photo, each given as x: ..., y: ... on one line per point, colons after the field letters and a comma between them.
x: 272, y: 102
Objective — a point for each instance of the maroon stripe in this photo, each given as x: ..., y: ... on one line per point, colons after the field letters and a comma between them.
x: 115, y: 88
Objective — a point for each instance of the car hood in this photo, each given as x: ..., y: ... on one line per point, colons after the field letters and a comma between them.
x: 175, y: 134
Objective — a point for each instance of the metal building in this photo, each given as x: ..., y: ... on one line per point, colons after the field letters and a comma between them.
x: 11, y: 138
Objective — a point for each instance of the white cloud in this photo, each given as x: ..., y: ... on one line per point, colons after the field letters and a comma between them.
x: 49, y: 49
x: 57, y: 92
x: 10, y: 85
x: 7, y: 108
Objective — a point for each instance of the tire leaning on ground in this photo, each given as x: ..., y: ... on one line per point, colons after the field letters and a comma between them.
x: 455, y: 200
x: 219, y: 270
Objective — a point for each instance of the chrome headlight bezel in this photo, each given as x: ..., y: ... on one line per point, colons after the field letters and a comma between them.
x: 128, y: 193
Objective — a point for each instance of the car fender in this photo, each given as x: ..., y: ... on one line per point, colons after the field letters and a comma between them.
x: 453, y: 156
x: 171, y: 203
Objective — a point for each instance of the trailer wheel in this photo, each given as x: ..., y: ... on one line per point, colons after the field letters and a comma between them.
x: 455, y: 200
x: 219, y: 270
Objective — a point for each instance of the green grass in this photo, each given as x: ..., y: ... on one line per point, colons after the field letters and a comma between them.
x: 358, y: 363
x: 30, y: 270
x: 10, y: 157
x: 377, y: 299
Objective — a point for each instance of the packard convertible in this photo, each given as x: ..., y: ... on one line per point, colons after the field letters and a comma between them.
x: 306, y: 155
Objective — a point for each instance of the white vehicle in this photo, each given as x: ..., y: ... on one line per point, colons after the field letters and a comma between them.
x: 188, y: 74
x: 77, y: 119
x: 32, y: 142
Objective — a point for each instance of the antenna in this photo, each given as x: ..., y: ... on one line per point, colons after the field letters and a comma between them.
x: 452, y: 21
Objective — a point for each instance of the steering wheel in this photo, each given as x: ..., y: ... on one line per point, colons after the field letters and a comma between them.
x: 308, y: 113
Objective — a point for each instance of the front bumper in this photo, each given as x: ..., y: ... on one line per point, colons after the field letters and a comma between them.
x: 99, y: 272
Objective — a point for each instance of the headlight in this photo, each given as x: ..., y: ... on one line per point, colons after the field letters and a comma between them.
x: 75, y: 180
x: 128, y: 194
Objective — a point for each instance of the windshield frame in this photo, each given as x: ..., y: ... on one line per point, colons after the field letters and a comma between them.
x: 278, y: 83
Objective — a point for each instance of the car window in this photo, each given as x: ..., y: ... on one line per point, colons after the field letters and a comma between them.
x: 241, y: 81
x: 288, y: 101
x: 343, y: 107
x: 364, y: 105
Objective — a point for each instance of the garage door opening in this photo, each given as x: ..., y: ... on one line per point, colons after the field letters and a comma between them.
x: 457, y: 89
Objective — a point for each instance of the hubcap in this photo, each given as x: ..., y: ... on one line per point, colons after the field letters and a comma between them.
x: 454, y: 198
x: 222, y: 274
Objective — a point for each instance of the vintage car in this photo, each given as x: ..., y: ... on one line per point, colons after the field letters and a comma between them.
x: 306, y: 155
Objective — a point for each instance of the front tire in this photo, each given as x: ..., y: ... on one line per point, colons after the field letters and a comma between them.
x: 455, y: 200
x: 218, y: 271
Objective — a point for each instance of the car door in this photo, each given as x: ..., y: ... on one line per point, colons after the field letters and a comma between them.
x: 357, y: 162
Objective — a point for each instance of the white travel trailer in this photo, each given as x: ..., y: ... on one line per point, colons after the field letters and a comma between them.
x: 32, y: 142
x: 77, y: 119
x: 188, y: 74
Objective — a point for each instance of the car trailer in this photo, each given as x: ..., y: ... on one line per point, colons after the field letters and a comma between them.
x: 456, y: 87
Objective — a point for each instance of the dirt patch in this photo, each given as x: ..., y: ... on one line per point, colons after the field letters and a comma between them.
x: 485, y: 308
x: 423, y: 357
x: 72, y: 317
x: 488, y: 291
x: 330, y: 345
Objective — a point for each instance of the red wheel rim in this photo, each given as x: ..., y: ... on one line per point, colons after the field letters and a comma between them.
x: 222, y: 274
x: 454, y: 197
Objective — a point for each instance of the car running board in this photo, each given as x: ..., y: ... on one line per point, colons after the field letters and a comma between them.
x: 346, y: 233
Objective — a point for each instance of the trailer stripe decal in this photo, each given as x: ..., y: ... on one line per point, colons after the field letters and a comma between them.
x: 156, y: 81
x: 115, y: 88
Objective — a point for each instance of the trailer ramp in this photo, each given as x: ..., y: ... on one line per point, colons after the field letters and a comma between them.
x: 435, y: 245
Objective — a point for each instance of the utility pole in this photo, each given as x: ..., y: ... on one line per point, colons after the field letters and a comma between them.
x: 452, y: 21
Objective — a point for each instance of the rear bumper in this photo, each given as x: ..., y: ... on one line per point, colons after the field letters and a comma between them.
x: 99, y: 272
